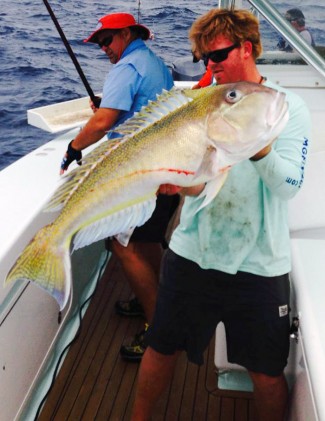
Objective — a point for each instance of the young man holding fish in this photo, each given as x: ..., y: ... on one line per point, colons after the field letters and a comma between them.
x: 229, y: 261
x: 137, y: 77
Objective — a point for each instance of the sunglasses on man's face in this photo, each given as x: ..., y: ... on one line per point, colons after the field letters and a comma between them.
x: 217, y: 56
x: 106, y: 42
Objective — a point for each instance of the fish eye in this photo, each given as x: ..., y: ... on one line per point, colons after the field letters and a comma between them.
x: 233, y: 96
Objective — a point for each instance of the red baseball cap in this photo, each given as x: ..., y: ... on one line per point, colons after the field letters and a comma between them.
x: 117, y: 21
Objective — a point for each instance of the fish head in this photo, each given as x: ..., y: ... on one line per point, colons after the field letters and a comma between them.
x: 245, y: 117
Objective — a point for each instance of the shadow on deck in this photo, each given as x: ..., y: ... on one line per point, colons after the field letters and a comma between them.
x: 94, y: 383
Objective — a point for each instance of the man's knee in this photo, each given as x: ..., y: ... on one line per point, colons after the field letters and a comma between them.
x: 264, y: 382
x: 154, y: 360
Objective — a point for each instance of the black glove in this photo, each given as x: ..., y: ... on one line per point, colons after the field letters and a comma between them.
x: 96, y: 101
x: 70, y: 155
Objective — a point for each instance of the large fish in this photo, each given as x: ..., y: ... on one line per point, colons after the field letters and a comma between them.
x: 184, y: 138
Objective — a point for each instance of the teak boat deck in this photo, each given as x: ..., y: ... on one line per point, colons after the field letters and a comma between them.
x: 94, y: 383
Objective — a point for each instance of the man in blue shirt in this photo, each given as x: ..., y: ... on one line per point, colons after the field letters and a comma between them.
x: 297, y: 20
x: 137, y: 76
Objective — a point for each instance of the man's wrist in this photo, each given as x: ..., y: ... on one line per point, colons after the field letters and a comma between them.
x: 73, y: 148
x: 256, y: 158
x: 74, y: 154
x: 261, y: 154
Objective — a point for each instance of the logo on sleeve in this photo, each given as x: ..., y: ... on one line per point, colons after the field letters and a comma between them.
x: 283, y: 310
x: 304, y: 152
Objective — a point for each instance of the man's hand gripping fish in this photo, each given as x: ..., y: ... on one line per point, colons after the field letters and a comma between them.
x: 185, y: 138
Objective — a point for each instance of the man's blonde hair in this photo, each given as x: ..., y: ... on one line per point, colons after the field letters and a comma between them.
x: 236, y: 25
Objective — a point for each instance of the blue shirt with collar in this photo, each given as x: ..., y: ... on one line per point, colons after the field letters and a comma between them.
x: 134, y: 80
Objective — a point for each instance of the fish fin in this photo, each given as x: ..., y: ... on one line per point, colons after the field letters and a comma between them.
x: 211, y: 190
x: 213, y: 163
x: 117, y: 223
x: 208, y: 166
x: 76, y: 177
x: 124, y: 237
x: 167, y: 101
x: 45, y: 264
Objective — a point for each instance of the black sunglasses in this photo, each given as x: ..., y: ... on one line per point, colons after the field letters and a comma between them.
x: 217, y: 56
x: 106, y: 42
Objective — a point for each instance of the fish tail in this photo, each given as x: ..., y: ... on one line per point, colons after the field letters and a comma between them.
x: 45, y: 262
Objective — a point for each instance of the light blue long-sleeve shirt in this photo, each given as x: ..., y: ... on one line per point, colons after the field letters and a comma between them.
x: 245, y: 227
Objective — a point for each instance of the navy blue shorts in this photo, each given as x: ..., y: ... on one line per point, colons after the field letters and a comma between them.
x: 154, y: 230
x: 254, y: 309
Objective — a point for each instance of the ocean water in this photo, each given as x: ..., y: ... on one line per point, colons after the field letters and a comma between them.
x: 35, y: 69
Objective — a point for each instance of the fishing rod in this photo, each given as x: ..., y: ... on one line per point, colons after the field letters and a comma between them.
x: 139, y: 5
x: 95, y: 99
